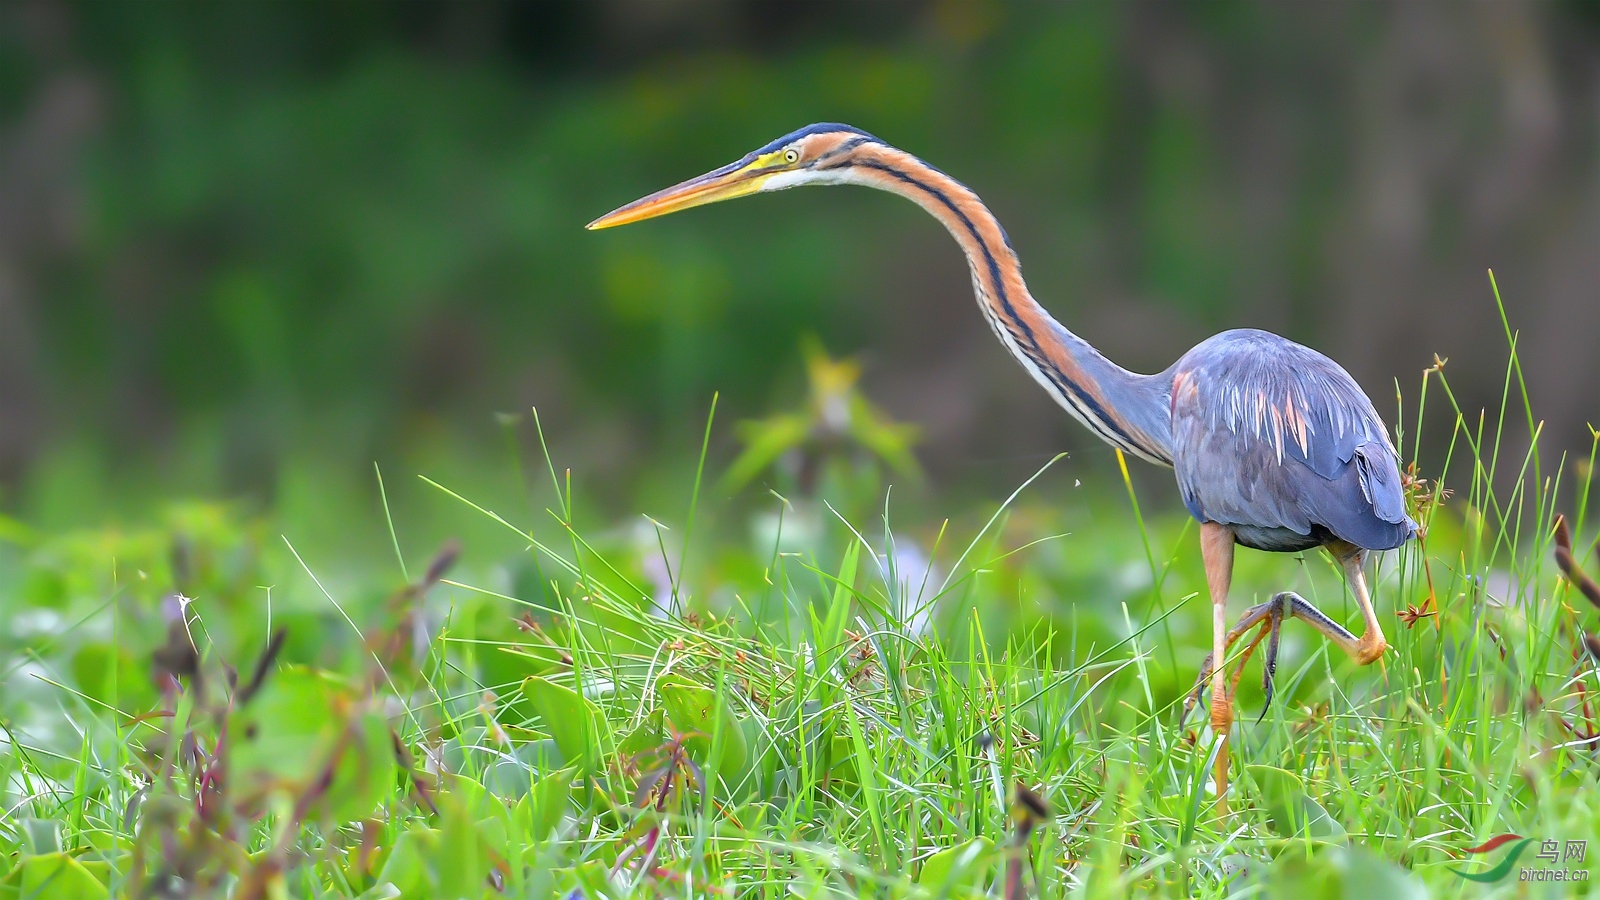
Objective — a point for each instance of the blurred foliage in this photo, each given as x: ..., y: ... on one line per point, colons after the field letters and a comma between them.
x: 294, y: 238
x: 837, y: 426
x: 324, y: 245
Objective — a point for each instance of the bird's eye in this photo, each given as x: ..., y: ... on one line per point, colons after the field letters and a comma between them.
x: 791, y: 155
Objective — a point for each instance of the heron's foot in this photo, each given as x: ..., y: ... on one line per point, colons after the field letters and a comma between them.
x: 1269, y: 617
x: 1365, y: 650
x: 1221, y: 726
x: 1252, y: 617
x: 1193, y: 700
x: 1371, y: 648
x: 1281, y: 605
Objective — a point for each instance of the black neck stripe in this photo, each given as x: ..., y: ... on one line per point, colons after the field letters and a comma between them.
x: 1037, y: 352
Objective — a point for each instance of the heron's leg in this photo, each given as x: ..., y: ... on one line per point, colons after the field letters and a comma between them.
x: 1370, y: 646
x: 1252, y: 617
x: 1216, y: 550
x: 1367, y: 648
x: 1269, y: 615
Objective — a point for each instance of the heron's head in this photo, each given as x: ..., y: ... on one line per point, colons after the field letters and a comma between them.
x: 816, y: 154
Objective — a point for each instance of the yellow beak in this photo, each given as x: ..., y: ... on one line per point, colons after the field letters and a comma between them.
x: 734, y: 180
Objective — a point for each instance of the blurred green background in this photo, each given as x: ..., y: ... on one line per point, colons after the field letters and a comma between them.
x: 248, y: 249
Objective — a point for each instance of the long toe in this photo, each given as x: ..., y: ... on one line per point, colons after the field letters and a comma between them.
x: 1193, y: 700
x: 1269, y: 663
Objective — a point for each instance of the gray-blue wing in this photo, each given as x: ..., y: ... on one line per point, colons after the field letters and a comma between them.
x: 1277, y: 440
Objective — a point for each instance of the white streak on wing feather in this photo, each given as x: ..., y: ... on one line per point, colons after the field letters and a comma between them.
x: 1247, y: 411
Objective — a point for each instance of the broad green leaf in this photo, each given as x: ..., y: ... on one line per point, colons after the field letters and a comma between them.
x: 587, y: 879
x: 111, y: 674
x: 407, y: 865
x: 280, y: 733
x: 1293, y: 812
x: 957, y: 868
x: 1367, y: 875
x: 650, y: 734
x: 579, y: 728
x: 99, y: 868
x: 697, y: 708
x: 461, y: 860
x: 40, y: 837
x: 365, y: 774
x: 819, y: 429
x: 107, y: 844
x: 540, y: 811
x: 842, y: 768
x: 542, y: 755
x: 360, y: 863
x: 1341, y: 873
x: 57, y: 876
x: 765, y: 442
x: 299, y: 726
x: 491, y: 813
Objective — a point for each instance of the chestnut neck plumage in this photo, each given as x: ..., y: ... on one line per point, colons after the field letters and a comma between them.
x: 1125, y: 409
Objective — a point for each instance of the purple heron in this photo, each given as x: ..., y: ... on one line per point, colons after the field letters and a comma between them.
x: 1274, y: 445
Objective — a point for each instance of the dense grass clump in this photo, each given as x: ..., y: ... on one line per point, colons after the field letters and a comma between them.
x: 855, y: 708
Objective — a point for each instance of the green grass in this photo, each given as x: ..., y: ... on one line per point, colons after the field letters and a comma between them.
x: 792, y: 725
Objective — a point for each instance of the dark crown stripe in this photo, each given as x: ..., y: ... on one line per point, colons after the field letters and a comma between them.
x: 819, y: 128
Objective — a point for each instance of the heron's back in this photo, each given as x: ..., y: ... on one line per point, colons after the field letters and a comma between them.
x: 1279, y: 442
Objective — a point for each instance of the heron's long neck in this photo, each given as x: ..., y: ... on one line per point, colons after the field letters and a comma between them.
x: 1125, y: 409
